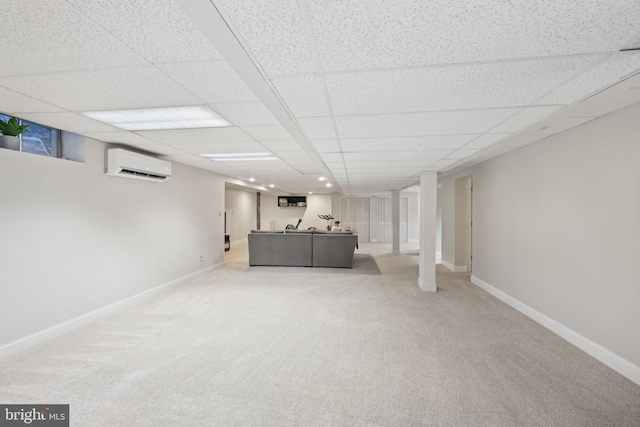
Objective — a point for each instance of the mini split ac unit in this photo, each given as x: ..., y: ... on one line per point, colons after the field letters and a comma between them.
x: 127, y: 164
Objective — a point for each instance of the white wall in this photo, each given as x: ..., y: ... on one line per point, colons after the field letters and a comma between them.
x: 74, y: 240
x: 317, y: 204
x: 414, y: 215
x: 556, y: 228
x: 241, y: 213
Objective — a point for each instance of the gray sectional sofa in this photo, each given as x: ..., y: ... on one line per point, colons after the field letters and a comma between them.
x: 302, y: 248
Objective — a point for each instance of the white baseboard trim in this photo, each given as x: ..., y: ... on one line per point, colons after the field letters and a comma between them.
x: 54, y: 331
x: 438, y: 257
x: 454, y: 268
x: 612, y: 360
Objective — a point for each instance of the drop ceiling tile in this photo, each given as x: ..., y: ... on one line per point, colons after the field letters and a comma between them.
x: 50, y: 36
x: 499, y: 151
x: 14, y: 103
x: 156, y: 29
x: 211, y: 81
x: 331, y: 157
x: 121, y: 137
x: 398, y: 155
x: 293, y: 156
x: 303, y: 94
x: 71, y: 122
x: 609, y: 70
x: 461, y: 154
x: 562, y: 125
x: 274, y: 32
x: 223, y: 147
x: 196, y: 136
x: 326, y: 145
x: 454, y: 87
x: 281, y: 145
x: 521, y: 140
x: 486, y: 140
x: 591, y: 108
x: 421, y: 143
x: 245, y: 113
x: 395, y: 33
x: 267, y: 133
x: 524, y: 118
x: 444, y: 162
x: 352, y: 165
x: 318, y: 127
x: 417, y: 124
x: 109, y: 89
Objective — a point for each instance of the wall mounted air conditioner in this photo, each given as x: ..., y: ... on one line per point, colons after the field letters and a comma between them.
x: 127, y: 164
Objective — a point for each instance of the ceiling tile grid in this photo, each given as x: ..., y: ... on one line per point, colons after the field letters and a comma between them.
x: 609, y: 70
x: 245, y: 113
x: 418, y: 124
x: 16, y: 103
x: 274, y: 32
x: 156, y: 29
x: 196, y: 136
x: 455, y: 87
x: 57, y: 37
x: 107, y: 89
x: 210, y: 81
x: 397, y: 33
x: 303, y: 94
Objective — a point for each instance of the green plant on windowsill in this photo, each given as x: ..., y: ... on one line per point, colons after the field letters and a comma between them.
x: 10, y: 129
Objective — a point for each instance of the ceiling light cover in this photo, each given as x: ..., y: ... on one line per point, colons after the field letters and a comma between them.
x: 160, y: 118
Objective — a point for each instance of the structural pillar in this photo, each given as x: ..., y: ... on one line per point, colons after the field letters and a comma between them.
x: 258, y: 211
x: 395, y: 222
x: 427, y: 257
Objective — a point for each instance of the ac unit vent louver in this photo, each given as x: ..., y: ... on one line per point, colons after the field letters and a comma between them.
x: 128, y: 164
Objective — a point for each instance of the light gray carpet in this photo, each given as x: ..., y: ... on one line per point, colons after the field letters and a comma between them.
x: 238, y: 349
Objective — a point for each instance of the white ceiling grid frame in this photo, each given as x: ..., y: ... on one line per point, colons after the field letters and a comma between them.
x: 423, y: 123
x: 353, y: 37
x: 196, y: 136
x: 104, y: 89
x: 158, y: 30
x: 407, y: 143
x: 217, y: 29
x: 15, y: 103
x: 210, y: 81
x: 69, y: 121
x: 452, y: 87
x: 608, y: 71
x: 245, y: 113
x: 52, y: 49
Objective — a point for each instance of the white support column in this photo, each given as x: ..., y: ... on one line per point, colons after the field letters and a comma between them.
x: 395, y: 222
x: 427, y: 257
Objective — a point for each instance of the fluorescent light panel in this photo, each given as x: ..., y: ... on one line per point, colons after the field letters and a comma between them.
x: 230, y: 157
x: 160, y: 118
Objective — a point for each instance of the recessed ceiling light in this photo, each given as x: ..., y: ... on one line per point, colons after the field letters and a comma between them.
x: 229, y: 157
x: 310, y: 192
x: 322, y: 178
x: 252, y: 179
x: 329, y: 184
x: 271, y: 185
x: 160, y: 118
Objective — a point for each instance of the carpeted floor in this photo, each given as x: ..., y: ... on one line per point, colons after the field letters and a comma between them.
x: 297, y: 348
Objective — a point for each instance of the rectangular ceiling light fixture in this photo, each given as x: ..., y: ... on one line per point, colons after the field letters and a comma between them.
x: 231, y: 157
x: 160, y: 118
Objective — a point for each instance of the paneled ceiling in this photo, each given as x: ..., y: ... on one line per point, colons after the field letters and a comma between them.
x: 365, y: 93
